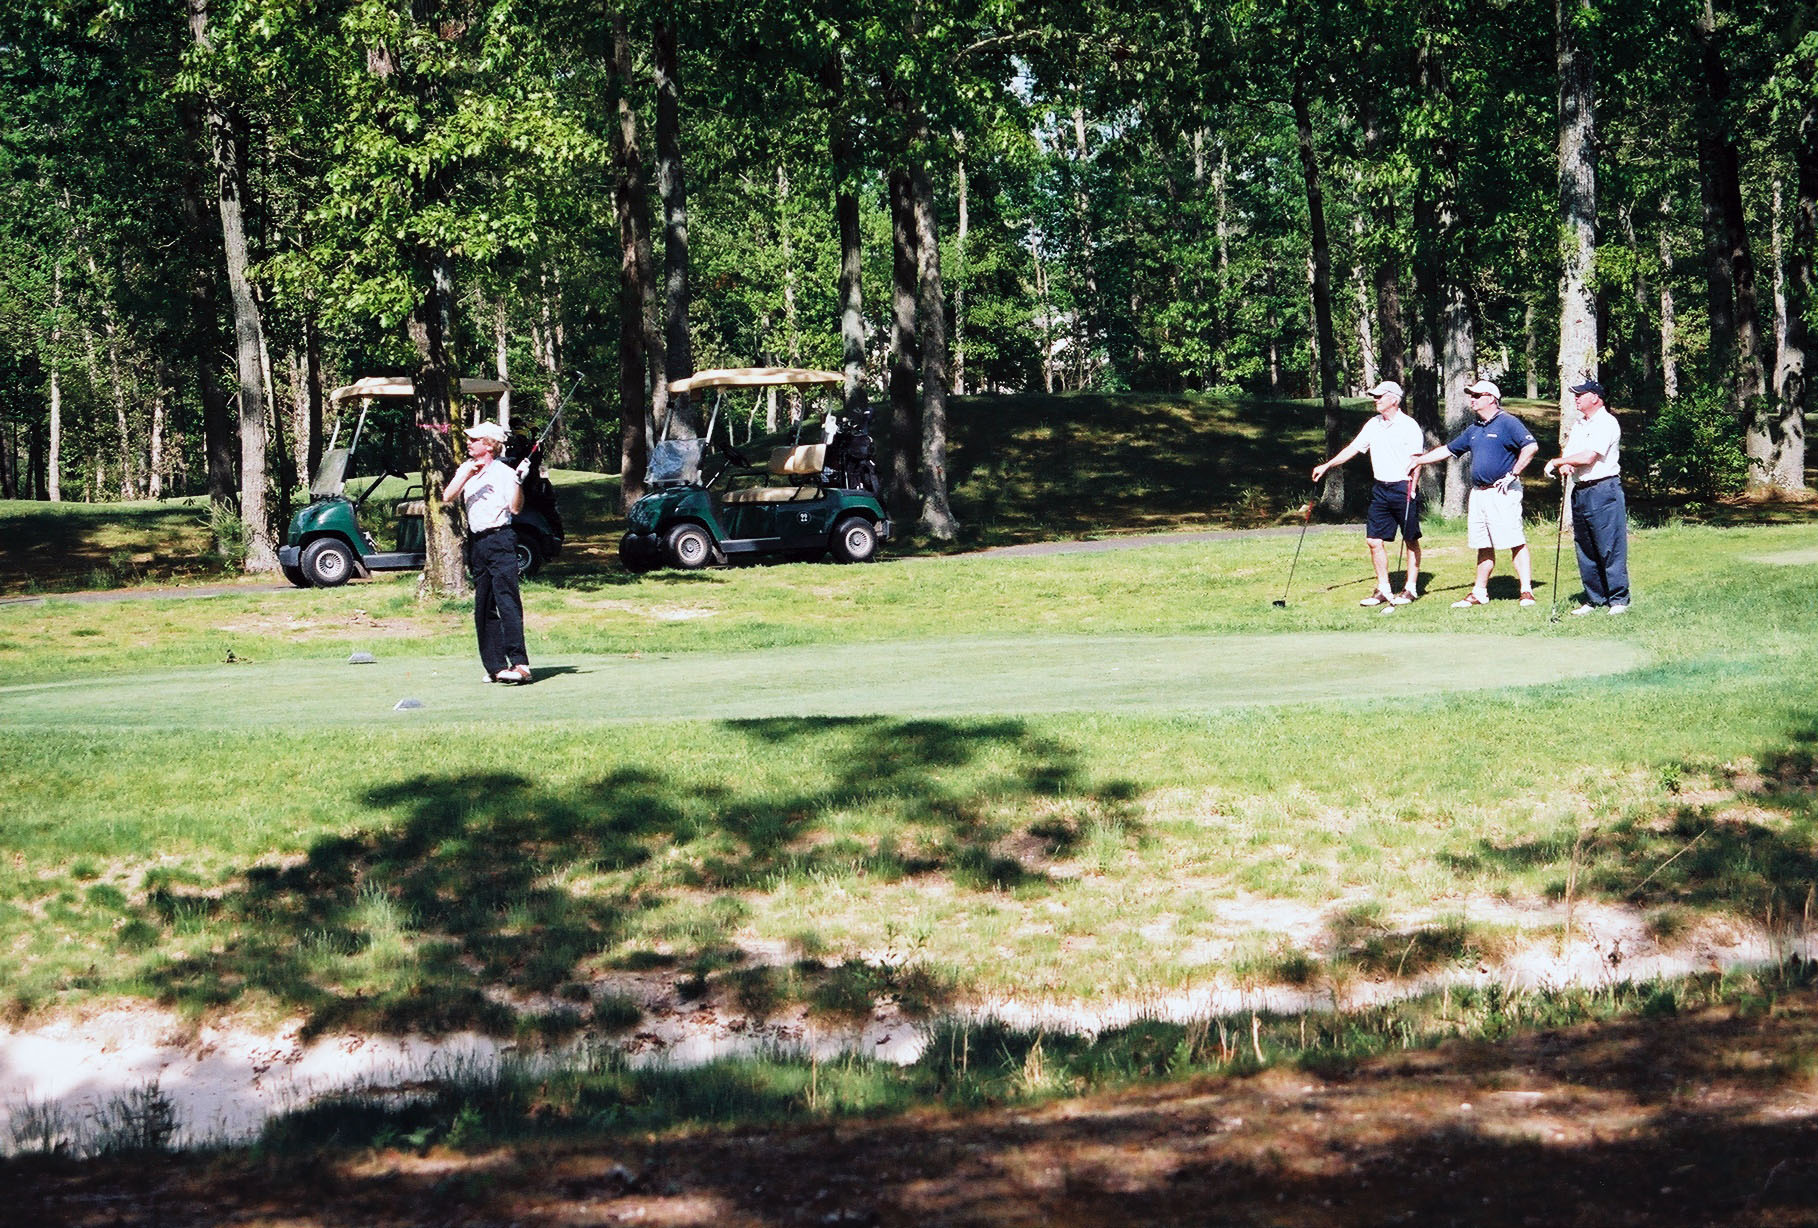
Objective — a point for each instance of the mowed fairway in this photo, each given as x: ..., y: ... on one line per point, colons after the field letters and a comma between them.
x: 914, y: 678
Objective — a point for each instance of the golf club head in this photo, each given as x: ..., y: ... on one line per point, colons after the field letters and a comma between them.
x: 1280, y: 605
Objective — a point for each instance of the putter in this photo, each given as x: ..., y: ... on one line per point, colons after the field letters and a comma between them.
x: 1401, y: 552
x: 1558, y: 541
x: 1283, y: 603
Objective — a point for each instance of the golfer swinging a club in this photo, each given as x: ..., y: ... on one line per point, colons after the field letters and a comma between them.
x: 1500, y: 447
x: 492, y: 493
x: 1393, y: 440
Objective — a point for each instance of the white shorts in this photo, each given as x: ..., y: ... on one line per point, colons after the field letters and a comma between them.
x: 1495, y: 519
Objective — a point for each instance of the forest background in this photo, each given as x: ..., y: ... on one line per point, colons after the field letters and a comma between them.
x: 212, y: 211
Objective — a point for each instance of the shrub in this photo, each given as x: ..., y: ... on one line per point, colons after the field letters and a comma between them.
x: 1692, y: 448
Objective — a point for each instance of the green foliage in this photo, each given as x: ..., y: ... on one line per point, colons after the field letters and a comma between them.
x: 1692, y: 448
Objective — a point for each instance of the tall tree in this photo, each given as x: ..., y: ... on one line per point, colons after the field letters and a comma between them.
x: 1786, y: 450
x: 226, y: 141
x: 1577, y: 206
x: 678, y: 361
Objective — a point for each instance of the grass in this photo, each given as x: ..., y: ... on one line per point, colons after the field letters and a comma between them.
x: 260, y: 855
x: 823, y: 786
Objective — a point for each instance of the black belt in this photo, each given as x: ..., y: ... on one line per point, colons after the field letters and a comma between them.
x: 1587, y: 484
x: 1488, y: 485
x: 488, y: 532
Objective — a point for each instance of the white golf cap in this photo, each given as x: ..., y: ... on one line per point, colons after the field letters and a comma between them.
x: 488, y: 430
x: 1484, y: 385
x: 1384, y: 388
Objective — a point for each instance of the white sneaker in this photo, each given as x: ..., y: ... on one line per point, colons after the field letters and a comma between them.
x: 1377, y: 598
x: 1402, y: 599
x: 1581, y: 611
x: 1619, y: 607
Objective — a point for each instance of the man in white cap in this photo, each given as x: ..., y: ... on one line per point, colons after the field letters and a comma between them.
x: 1500, y: 448
x: 1600, y: 517
x: 1393, y: 440
x: 490, y: 490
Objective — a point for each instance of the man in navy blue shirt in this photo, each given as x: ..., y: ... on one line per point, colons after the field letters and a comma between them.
x: 1500, y: 448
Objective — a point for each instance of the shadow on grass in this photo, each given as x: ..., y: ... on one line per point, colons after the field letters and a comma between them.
x: 1033, y: 467
x: 68, y: 546
x: 1753, y: 855
x: 462, y: 892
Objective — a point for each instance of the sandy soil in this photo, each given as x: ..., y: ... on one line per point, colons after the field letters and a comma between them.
x: 1703, y: 1119
x: 226, y: 1080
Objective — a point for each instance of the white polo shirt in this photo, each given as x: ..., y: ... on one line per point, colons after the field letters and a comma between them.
x: 1601, y: 435
x: 488, y: 495
x: 1392, y: 443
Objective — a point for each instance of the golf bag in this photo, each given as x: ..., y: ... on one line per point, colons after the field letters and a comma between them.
x: 539, y: 491
x: 852, y: 455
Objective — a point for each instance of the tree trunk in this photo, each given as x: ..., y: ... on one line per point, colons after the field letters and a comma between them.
x: 846, y: 212
x: 431, y: 326
x: 1722, y: 167
x: 1334, y: 498
x: 53, y: 461
x: 249, y: 329
x: 631, y: 200
x: 1366, y: 340
x: 129, y: 482
x: 1577, y: 208
x: 905, y: 350
x: 312, y: 388
x: 218, y: 427
x: 1043, y: 297
x: 1222, y: 326
x: 1531, y: 350
x: 936, y: 515
x: 1640, y: 345
x: 1777, y: 256
x: 1392, y: 345
x: 501, y: 358
x: 792, y: 327
x: 1792, y: 386
x: 678, y: 362
x: 1669, y: 333
x: 959, y: 279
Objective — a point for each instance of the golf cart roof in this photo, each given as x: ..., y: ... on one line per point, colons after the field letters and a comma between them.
x: 399, y: 386
x: 756, y: 377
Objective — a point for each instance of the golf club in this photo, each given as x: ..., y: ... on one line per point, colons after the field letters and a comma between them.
x: 1559, y: 541
x: 1283, y: 603
x: 1401, y: 552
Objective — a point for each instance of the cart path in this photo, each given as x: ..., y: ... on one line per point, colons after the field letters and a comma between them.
x: 1157, y: 675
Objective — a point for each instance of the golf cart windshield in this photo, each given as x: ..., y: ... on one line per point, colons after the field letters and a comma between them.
x: 331, y: 474
x: 675, y: 461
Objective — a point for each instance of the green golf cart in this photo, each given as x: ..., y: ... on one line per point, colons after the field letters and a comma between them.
x: 328, y: 542
x: 788, y: 498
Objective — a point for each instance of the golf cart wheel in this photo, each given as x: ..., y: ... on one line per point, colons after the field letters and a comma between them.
x: 689, y: 547
x: 294, y: 575
x: 530, y: 558
x: 854, y: 540
x: 326, y: 563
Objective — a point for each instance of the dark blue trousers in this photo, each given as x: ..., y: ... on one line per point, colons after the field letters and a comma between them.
x: 1600, y: 530
x: 498, y: 611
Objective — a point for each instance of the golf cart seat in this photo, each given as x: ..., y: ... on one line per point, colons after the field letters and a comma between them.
x: 802, y: 460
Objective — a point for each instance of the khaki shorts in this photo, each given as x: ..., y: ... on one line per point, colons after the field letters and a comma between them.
x: 1494, y: 519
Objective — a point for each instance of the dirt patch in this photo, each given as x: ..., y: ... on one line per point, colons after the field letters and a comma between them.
x: 226, y: 1078
x: 1703, y: 1119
